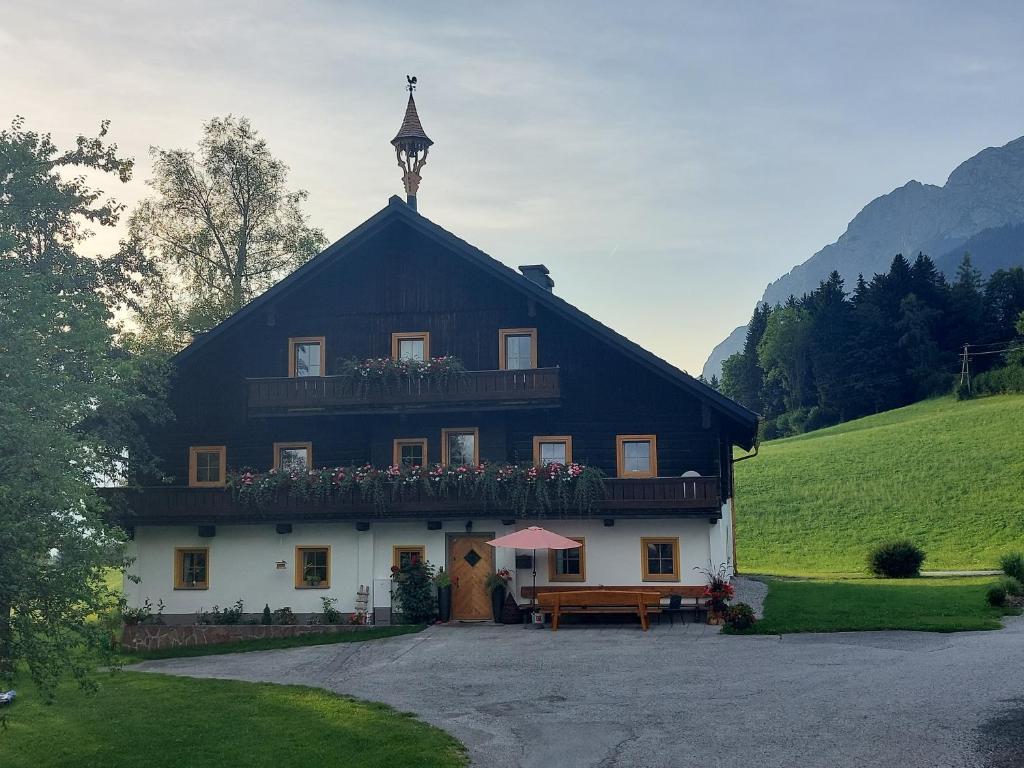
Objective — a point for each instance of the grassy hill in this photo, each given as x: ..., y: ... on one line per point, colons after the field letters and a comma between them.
x: 947, y: 475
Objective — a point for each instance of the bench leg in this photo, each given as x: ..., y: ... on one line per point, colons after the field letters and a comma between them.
x: 554, y: 619
x: 644, y: 623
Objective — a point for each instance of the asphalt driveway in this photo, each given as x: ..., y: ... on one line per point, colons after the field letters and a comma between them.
x: 680, y: 696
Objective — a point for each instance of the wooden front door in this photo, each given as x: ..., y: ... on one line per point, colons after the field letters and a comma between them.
x: 470, y: 562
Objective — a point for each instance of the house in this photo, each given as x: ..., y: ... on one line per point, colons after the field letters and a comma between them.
x: 292, y: 383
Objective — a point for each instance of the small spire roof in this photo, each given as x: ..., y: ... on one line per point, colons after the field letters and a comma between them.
x: 411, y: 128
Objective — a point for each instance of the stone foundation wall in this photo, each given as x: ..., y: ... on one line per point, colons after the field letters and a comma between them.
x: 150, y: 637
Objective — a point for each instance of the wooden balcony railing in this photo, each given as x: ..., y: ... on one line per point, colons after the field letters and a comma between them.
x: 648, y: 497
x: 477, y: 390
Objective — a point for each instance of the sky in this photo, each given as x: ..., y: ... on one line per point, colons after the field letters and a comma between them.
x: 665, y: 160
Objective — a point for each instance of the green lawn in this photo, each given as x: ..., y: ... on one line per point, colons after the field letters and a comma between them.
x: 948, y: 475
x: 158, y: 721
x: 931, y: 604
x: 275, y: 643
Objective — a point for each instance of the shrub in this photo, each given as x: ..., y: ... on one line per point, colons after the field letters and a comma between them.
x: 1000, y: 380
x: 1012, y: 586
x: 331, y: 615
x: 267, y: 616
x: 896, y: 560
x: 1012, y: 564
x: 283, y: 616
x: 414, y: 592
x: 996, y: 595
x: 739, y: 616
x: 232, y: 615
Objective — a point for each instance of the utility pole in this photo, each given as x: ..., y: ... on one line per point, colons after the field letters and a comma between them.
x: 965, y: 369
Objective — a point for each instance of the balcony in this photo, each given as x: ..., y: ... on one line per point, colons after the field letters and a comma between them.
x: 473, y: 391
x: 696, y: 497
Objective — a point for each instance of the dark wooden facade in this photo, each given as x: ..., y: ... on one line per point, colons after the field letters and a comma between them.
x: 400, y: 273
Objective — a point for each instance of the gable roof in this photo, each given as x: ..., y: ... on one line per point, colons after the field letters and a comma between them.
x: 741, y: 417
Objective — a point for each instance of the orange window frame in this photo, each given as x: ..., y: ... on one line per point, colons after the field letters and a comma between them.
x: 399, y: 443
x: 503, y: 335
x: 294, y: 341
x: 645, y: 572
x: 553, y: 555
x: 404, y: 336
x: 179, y: 569
x: 475, y: 431
x: 539, y: 440
x: 620, y: 455
x: 193, y: 466
x: 398, y: 549
x: 300, y: 566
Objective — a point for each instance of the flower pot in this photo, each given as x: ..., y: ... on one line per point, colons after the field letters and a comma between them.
x: 497, y: 601
x: 714, y: 617
x: 444, y: 603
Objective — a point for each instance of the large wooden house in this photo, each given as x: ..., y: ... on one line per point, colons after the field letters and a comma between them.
x: 289, y: 385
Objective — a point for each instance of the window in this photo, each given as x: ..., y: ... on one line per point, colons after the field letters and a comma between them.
x: 459, y: 446
x: 192, y: 568
x: 411, y: 452
x: 410, y: 346
x: 637, y: 455
x: 660, y: 559
x: 403, y: 557
x: 518, y: 348
x: 552, y: 450
x: 293, y: 456
x: 306, y: 356
x: 312, y: 567
x: 568, y: 564
x: 206, y: 466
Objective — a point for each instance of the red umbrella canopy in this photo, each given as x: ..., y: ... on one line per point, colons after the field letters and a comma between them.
x: 534, y: 537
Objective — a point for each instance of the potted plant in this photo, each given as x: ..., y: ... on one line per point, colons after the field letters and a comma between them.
x: 718, y: 592
x: 497, y: 585
x: 311, y: 577
x: 443, y: 582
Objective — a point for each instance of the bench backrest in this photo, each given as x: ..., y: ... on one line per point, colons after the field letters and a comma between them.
x: 597, y: 598
x: 662, y: 590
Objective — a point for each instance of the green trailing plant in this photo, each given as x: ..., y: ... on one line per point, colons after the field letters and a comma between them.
x: 375, y: 375
x: 896, y: 560
x: 414, y: 592
x: 1012, y: 564
x: 523, y: 489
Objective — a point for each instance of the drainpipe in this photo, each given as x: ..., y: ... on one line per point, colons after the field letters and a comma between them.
x: 732, y: 495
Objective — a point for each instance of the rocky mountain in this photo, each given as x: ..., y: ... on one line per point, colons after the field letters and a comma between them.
x: 983, y: 193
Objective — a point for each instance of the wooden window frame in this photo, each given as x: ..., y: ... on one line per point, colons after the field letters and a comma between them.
x: 179, y: 575
x: 405, y: 335
x: 646, y: 574
x: 538, y: 440
x: 294, y: 341
x: 459, y: 430
x: 397, y: 550
x: 300, y: 582
x: 620, y: 455
x: 553, y: 554
x: 504, y: 333
x: 299, y: 444
x: 399, y: 442
x: 193, y: 465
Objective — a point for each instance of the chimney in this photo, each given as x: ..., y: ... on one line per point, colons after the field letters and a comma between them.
x: 538, y: 273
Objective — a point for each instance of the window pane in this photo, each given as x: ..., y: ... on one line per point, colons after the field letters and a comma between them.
x: 660, y: 558
x: 411, y: 454
x: 314, y: 565
x: 407, y: 557
x: 567, y: 562
x: 307, y: 359
x: 636, y: 456
x: 293, y: 459
x: 461, y: 448
x: 193, y: 568
x: 411, y: 349
x: 208, y: 467
x: 552, y: 453
x: 518, y: 352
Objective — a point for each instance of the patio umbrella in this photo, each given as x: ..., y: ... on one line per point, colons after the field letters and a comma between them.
x: 534, y: 538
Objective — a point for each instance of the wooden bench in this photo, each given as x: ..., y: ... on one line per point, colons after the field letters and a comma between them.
x: 693, y: 598
x: 599, y: 601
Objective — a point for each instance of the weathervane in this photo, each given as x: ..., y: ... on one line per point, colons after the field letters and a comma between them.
x: 411, y: 146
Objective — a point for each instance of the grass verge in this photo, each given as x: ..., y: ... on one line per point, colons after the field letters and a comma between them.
x: 163, y: 722
x: 933, y: 605
x: 275, y: 643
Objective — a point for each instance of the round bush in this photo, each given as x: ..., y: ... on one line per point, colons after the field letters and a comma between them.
x: 739, y: 616
x: 996, y: 595
x: 896, y: 560
x: 1012, y: 564
x: 1011, y: 585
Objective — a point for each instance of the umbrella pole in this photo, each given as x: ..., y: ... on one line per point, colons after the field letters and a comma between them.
x: 533, y: 596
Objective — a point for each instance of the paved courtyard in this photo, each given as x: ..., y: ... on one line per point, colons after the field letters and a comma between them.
x: 680, y: 695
